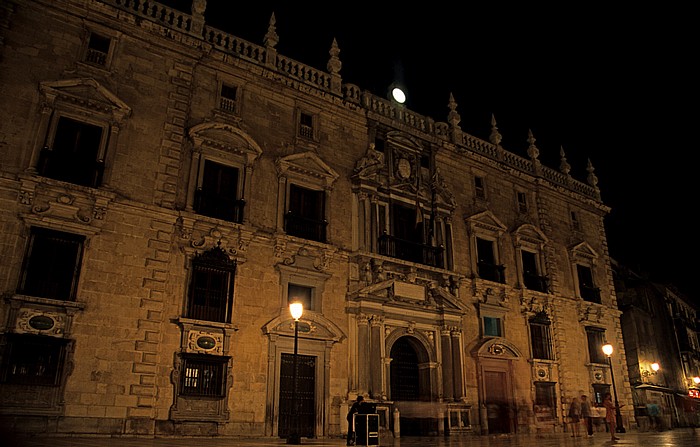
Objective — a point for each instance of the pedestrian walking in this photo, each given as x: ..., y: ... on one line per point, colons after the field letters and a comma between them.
x: 355, y: 408
x: 610, y: 417
x: 587, y: 415
x: 575, y: 416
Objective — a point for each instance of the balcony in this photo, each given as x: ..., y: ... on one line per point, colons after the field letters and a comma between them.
x: 538, y: 283
x: 71, y: 169
x: 304, y: 227
x: 590, y: 294
x: 411, y: 251
x: 491, y: 272
x: 218, y: 206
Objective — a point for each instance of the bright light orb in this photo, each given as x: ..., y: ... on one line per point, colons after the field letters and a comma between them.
x: 607, y: 349
x: 398, y: 95
x: 296, y: 309
x: 696, y: 380
x: 655, y: 366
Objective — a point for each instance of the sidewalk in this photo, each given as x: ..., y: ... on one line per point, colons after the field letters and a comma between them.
x: 682, y: 437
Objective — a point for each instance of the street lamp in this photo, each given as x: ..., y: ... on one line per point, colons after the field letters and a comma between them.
x: 296, y: 309
x: 608, y: 350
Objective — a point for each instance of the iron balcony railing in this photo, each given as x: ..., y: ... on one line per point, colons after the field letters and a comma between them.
x: 492, y: 272
x: 411, y: 251
x: 304, y: 227
x: 218, y: 206
x: 76, y: 170
x: 590, y: 294
x: 537, y: 283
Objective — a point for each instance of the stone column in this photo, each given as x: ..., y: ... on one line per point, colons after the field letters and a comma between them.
x: 376, y: 340
x: 447, y: 374
x: 457, y: 364
x: 40, y: 137
x: 107, y: 154
x: 362, y: 353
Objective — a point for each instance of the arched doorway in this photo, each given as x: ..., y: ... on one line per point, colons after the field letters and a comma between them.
x: 410, y: 387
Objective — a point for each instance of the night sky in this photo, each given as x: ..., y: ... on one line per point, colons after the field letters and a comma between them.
x: 618, y: 86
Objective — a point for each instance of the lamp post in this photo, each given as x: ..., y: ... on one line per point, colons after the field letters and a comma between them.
x: 296, y: 309
x: 608, y: 350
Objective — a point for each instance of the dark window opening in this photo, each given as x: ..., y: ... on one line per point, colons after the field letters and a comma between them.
x: 211, y: 287
x: 486, y: 264
x: 301, y: 294
x: 98, y: 49
x: 203, y: 376
x: 545, y: 401
x: 408, y: 238
x: 379, y: 144
x: 306, y: 125
x: 51, y: 264
x: 589, y: 292
x: 479, y: 187
x: 228, y: 95
x: 574, y: 221
x: 306, y: 215
x: 522, y: 202
x: 404, y: 372
x: 492, y: 327
x: 217, y: 195
x: 33, y: 360
x: 540, y: 337
x: 531, y: 277
x: 73, y: 157
x: 596, y: 340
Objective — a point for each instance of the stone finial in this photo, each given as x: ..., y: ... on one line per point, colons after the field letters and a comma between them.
x: 334, y: 65
x: 271, y: 37
x: 495, y: 137
x: 453, y: 117
x: 592, y: 179
x: 564, y: 166
x: 198, y: 7
x: 532, y: 150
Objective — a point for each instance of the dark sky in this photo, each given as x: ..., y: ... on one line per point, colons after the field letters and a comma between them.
x: 616, y: 85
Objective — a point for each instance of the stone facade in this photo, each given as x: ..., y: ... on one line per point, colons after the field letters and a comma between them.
x: 167, y: 189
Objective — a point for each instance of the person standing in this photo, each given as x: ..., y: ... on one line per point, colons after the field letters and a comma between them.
x: 610, y: 418
x: 575, y: 415
x: 355, y: 408
x: 587, y: 415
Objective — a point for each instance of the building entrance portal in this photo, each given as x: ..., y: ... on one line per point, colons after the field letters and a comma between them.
x: 410, y: 388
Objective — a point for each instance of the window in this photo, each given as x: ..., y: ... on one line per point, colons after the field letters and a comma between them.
x: 302, y: 294
x: 586, y: 287
x: 306, y: 125
x: 305, y: 217
x: 74, y: 154
x: 575, y: 224
x: 596, y: 340
x: 492, y: 327
x: 540, y: 337
x: 522, y: 202
x: 228, y: 97
x: 51, y: 265
x: 545, y: 401
x: 216, y: 195
x: 97, y: 49
x: 531, y: 277
x: 33, y: 359
x: 599, y: 390
x: 211, y: 287
x: 487, y: 267
x: 203, y: 375
x: 479, y: 187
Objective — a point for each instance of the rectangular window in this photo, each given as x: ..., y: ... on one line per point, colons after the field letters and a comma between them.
x: 541, y: 340
x: 306, y: 214
x: 575, y: 224
x: 211, y: 288
x: 33, y: 360
x: 216, y: 196
x: 486, y: 264
x: 479, y: 187
x: 492, y: 327
x: 52, y: 264
x: 589, y: 292
x: 97, y: 49
x: 522, y: 202
x: 203, y: 375
x: 73, y: 157
x: 596, y: 340
x: 599, y: 390
x: 545, y: 401
x: 531, y: 276
x: 228, y: 97
x: 306, y: 125
x: 301, y: 294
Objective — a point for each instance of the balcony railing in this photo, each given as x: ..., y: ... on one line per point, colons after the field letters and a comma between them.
x: 590, y: 294
x: 75, y: 170
x: 538, y: 283
x: 304, y: 227
x: 492, y: 272
x: 411, y: 251
x: 218, y: 206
